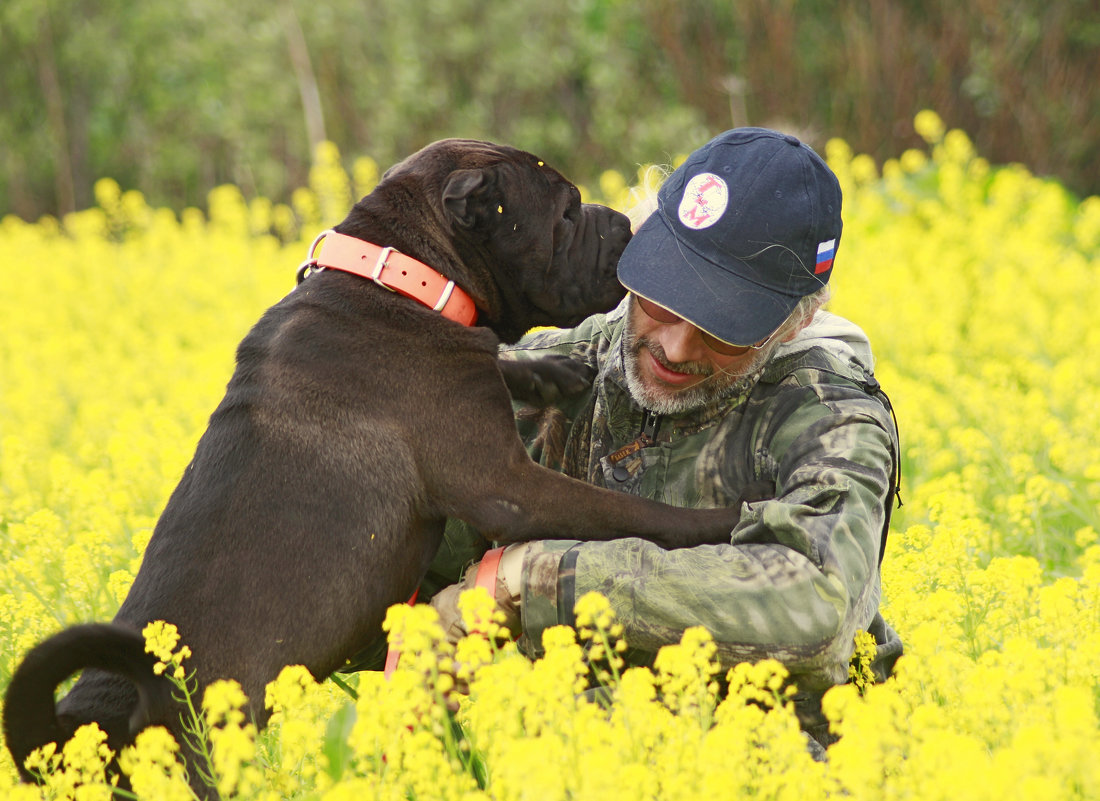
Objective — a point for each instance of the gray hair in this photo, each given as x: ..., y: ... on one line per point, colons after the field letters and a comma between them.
x: 805, y: 310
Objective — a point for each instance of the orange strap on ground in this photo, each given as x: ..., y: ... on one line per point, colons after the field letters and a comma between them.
x: 392, y: 655
x: 487, y: 571
x: 486, y: 577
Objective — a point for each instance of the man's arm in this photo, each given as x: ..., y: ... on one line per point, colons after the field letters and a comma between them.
x: 798, y: 578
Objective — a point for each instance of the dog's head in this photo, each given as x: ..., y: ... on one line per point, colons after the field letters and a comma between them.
x: 529, y: 252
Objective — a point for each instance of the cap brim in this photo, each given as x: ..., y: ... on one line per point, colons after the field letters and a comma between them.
x: 657, y: 266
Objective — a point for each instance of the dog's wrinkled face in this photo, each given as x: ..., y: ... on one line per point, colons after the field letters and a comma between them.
x: 551, y: 257
x: 562, y: 252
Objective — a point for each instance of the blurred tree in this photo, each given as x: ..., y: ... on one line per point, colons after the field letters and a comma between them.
x: 303, y: 71
x: 578, y: 83
x: 174, y: 99
x: 1020, y: 76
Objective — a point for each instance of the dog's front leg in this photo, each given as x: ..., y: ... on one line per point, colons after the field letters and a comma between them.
x: 545, y: 381
x: 531, y: 502
x: 480, y: 473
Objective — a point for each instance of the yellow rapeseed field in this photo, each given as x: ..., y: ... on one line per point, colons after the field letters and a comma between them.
x: 979, y: 287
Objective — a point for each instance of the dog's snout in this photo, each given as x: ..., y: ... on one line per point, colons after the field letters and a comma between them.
x: 611, y: 225
x: 620, y: 224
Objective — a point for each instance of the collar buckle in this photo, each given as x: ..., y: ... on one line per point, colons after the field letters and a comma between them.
x: 380, y: 265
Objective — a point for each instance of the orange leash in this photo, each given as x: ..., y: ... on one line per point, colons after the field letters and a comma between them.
x: 486, y: 577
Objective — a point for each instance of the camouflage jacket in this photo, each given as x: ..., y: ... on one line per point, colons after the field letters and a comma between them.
x: 800, y: 575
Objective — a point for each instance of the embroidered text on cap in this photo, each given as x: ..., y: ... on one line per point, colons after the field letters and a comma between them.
x: 704, y: 202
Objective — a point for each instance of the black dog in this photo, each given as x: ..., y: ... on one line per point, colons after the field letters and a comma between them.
x: 357, y: 421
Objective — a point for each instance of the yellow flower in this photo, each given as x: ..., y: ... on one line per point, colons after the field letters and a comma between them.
x: 976, y: 284
x: 152, y: 765
x: 860, y: 672
x: 928, y: 124
x: 686, y: 672
x: 594, y: 610
x: 477, y: 608
x: 160, y: 639
x: 232, y: 739
x: 79, y: 770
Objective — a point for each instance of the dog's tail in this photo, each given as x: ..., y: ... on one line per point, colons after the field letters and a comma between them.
x: 30, y: 712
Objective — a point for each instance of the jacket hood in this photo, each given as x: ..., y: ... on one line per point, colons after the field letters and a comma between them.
x: 837, y: 336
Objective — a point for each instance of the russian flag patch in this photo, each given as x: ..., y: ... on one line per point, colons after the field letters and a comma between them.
x: 825, y: 253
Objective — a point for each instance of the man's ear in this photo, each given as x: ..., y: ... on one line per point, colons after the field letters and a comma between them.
x: 461, y: 196
x: 796, y: 329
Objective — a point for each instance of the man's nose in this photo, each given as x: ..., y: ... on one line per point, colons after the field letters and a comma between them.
x: 681, y: 342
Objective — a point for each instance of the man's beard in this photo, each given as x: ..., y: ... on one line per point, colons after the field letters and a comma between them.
x: 718, y: 385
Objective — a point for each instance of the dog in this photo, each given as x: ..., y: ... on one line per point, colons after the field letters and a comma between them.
x: 358, y: 419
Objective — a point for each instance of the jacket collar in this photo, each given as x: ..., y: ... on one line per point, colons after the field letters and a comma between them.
x: 842, y: 343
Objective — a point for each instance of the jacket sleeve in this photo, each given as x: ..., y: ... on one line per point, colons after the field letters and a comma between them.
x: 797, y: 580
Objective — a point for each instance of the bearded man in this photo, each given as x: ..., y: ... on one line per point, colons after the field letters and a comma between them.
x: 719, y: 374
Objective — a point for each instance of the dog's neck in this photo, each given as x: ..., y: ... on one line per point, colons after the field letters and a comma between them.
x: 383, y: 216
x: 393, y: 270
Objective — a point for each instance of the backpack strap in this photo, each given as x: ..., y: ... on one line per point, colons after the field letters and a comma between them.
x: 818, y: 359
x: 872, y: 387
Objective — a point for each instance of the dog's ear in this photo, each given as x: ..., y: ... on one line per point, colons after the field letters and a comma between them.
x: 466, y: 195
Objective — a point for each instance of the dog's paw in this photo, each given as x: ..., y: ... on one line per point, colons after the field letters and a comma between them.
x: 757, y: 490
x: 546, y: 381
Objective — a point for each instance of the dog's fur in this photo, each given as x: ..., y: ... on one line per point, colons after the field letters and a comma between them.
x: 357, y: 421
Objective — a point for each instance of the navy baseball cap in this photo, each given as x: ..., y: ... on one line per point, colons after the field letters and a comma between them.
x: 746, y: 227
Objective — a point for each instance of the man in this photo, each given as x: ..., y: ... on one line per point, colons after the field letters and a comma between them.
x: 716, y: 374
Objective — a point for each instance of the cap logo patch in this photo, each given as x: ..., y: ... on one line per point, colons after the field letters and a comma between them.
x: 825, y: 253
x: 704, y: 202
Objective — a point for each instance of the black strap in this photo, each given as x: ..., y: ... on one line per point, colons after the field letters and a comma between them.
x: 869, y: 385
x: 567, y: 587
x: 875, y: 390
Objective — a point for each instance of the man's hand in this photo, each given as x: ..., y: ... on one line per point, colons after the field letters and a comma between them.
x: 506, y: 596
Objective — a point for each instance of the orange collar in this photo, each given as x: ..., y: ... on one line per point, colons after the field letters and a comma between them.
x: 393, y: 270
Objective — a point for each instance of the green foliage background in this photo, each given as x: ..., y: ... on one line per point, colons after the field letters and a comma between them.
x: 176, y: 98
